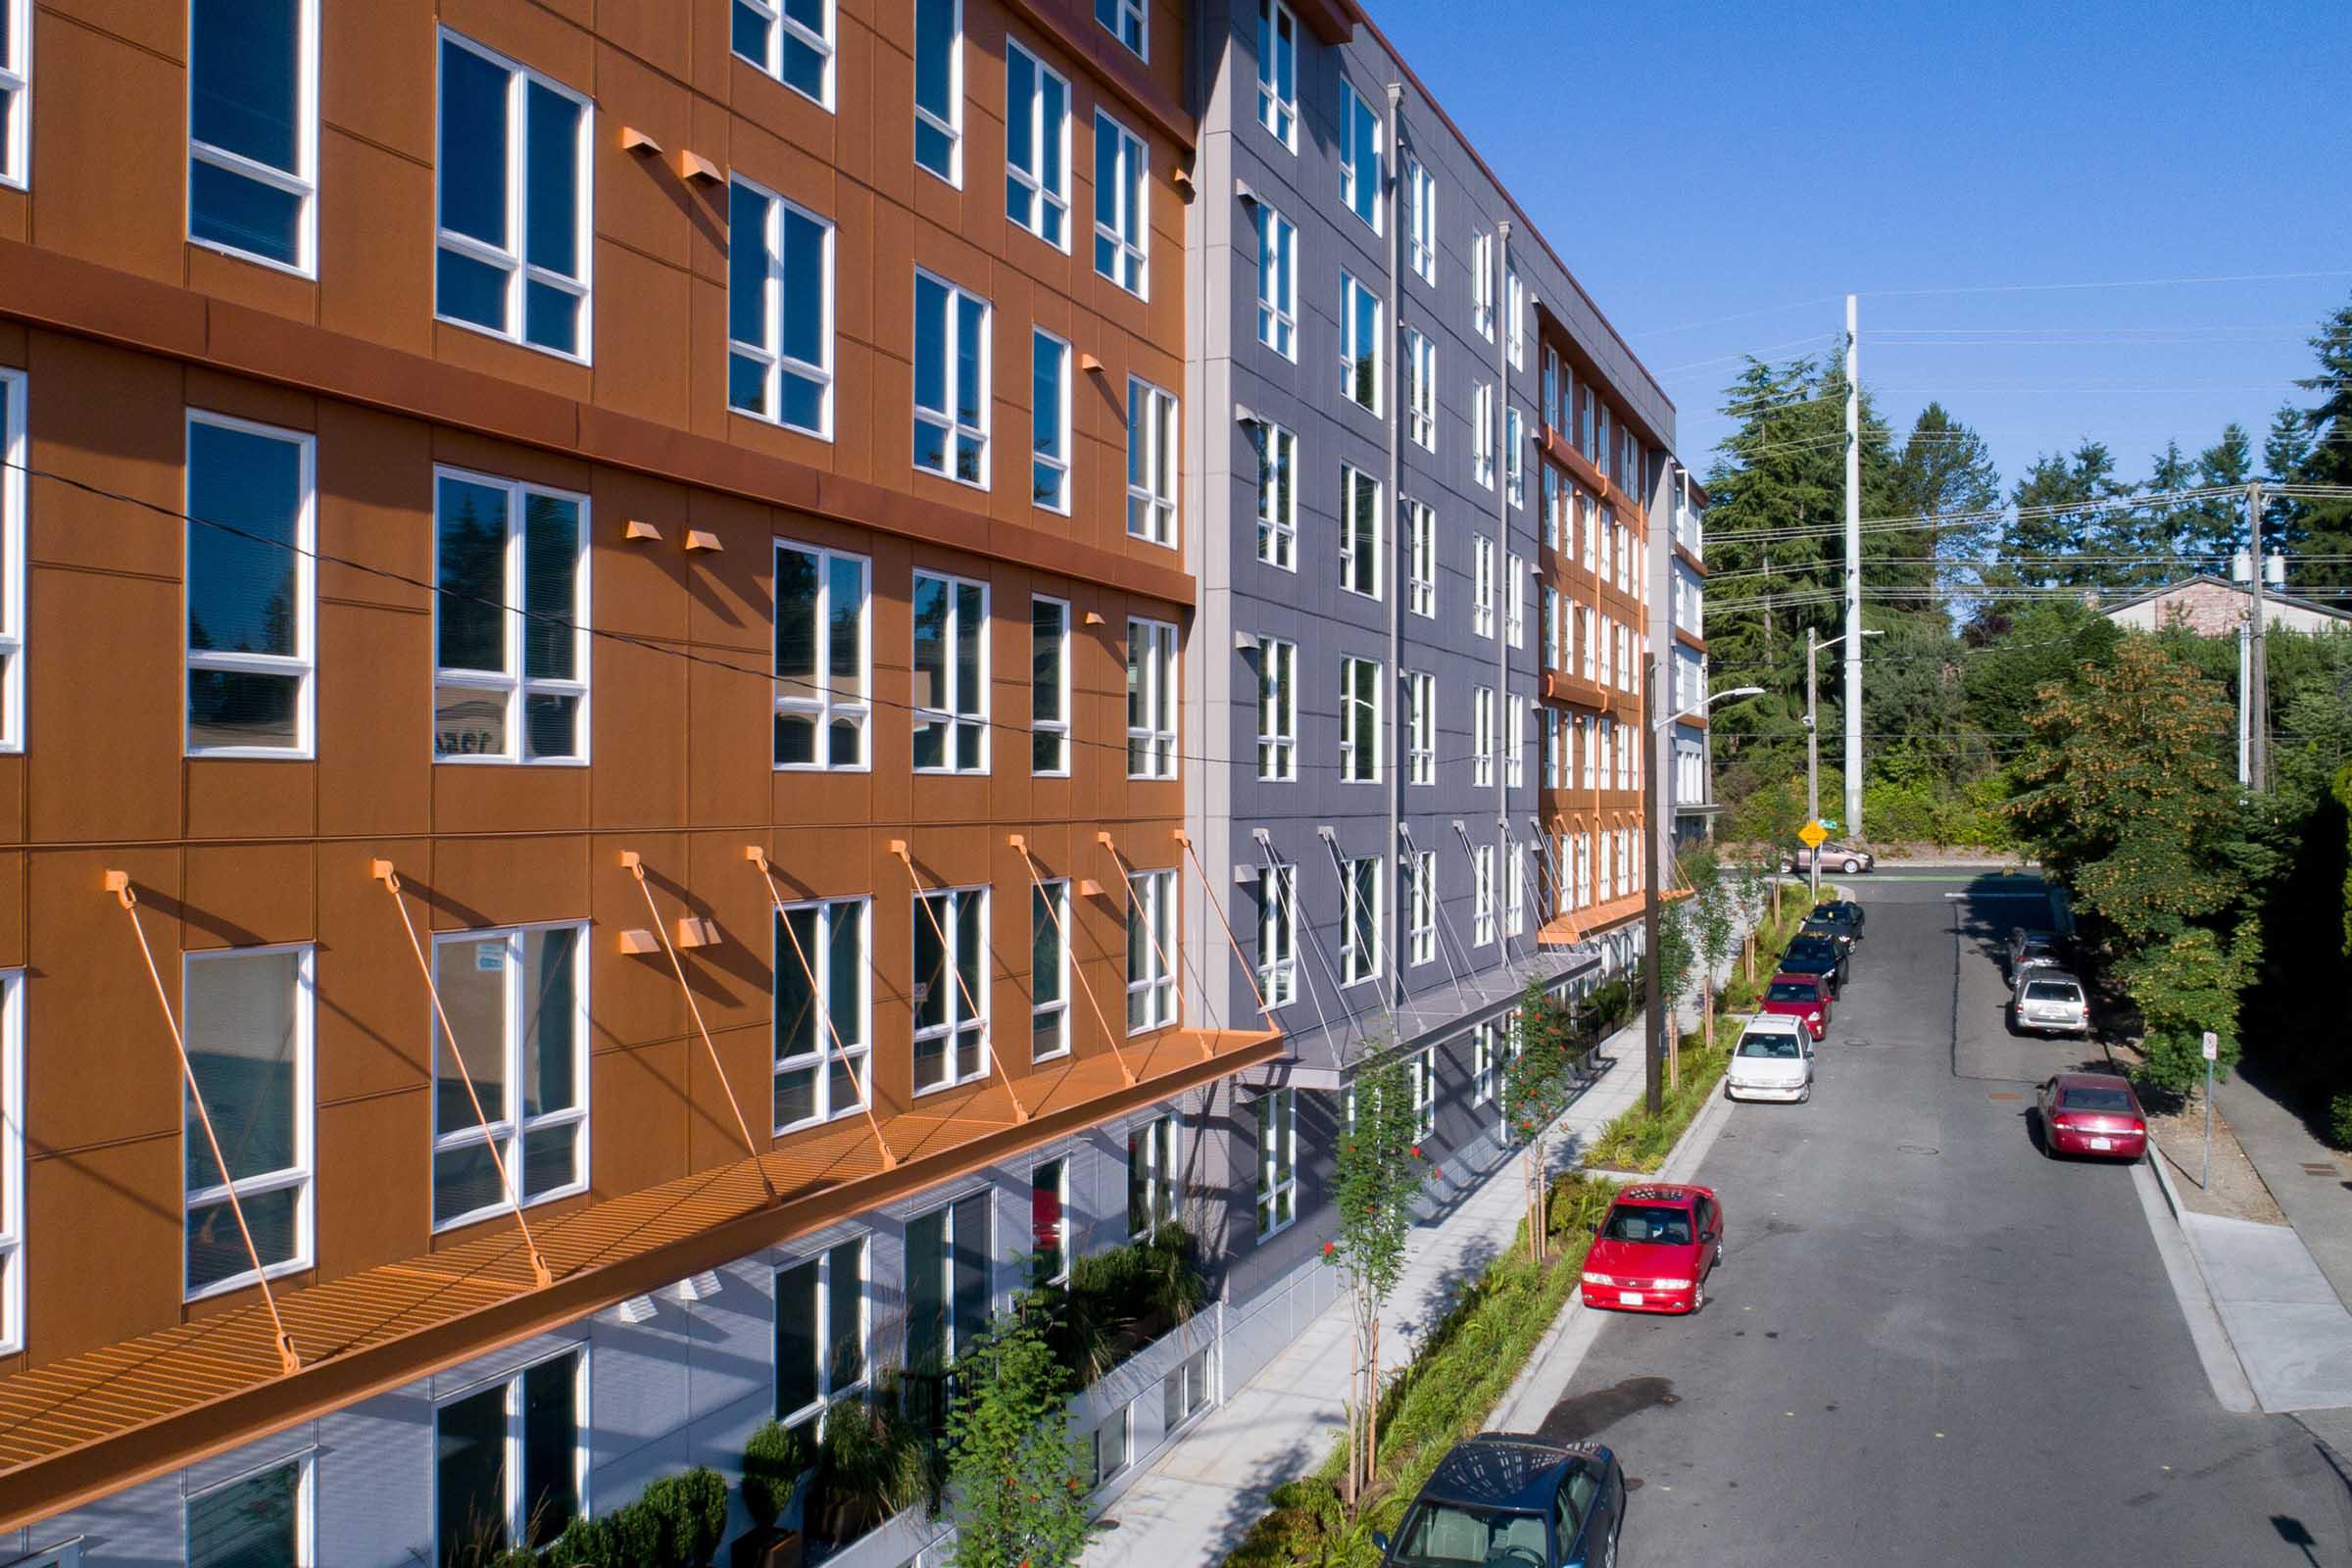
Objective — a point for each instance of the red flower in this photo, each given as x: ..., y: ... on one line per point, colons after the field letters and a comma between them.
x: 1416, y: 1150
x: 1329, y: 1247
x: 1436, y: 1173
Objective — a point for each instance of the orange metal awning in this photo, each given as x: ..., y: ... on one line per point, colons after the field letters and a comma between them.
x: 1578, y: 925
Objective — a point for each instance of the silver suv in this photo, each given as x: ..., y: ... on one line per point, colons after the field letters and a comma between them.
x: 2048, y: 1001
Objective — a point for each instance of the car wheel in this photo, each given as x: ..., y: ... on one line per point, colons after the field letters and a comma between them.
x: 1853, y: 868
x: 1787, y: 865
x: 1718, y: 1255
x: 1805, y: 1095
x: 1699, y: 1297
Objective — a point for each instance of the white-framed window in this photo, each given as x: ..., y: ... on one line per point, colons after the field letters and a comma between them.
x: 510, y: 613
x: 253, y: 128
x: 1129, y: 22
x: 951, y: 1279
x: 1114, y: 1439
x: 821, y: 1329
x: 779, y: 311
x: 1421, y: 906
x: 12, y: 551
x: 1049, y: 1218
x: 1548, y: 624
x: 952, y: 354
x: 1554, y: 504
x: 1122, y: 206
x: 1362, y: 344
x: 1514, y: 600
x: 1360, y: 922
x: 1588, y: 408
x: 1278, y: 934
x: 1515, y: 305
x: 12, y: 1160
x: 1584, y: 871
x: 513, y: 196
x: 1278, y: 72
x: 951, y: 987
x: 1551, y: 748
x: 1277, y: 1161
x: 1551, y: 387
x: 1359, y: 532
x: 252, y: 499
x: 1514, y: 456
x: 1153, y: 457
x: 1421, y: 221
x: 1422, y: 1066
x: 824, y: 657
x: 1049, y: 687
x: 1514, y: 890
x: 265, y: 1516
x: 1421, y: 389
x: 1276, y: 496
x: 1482, y: 285
x: 1277, y: 281
x: 1601, y: 444
x: 1036, y: 146
x: 1049, y: 421
x: 1514, y: 742
x: 1482, y: 434
x: 1421, y: 582
x: 1359, y: 720
x: 1485, y: 1058
x: 1420, y: 727
x: 1482, y: 895
x: 1277, y: 711
x: 1152, y: 937
x: 1152, y: 1172
x: 951, y: 674
x: 939, y: 88
x: 16, y: 91
x: 1482, y: 737
x: 1151, y: 676
x: 820, y: 956
x: 517, y: 1002
x: 511, y: 1460
x: 1589, y: 737
x: 1359, y: 157
x: 792, y: 40
x: 1048, y: 970
x: 1482, y: 586
x: 1585, y: 640
x: 1592, y: 509
x: 246, y: 1018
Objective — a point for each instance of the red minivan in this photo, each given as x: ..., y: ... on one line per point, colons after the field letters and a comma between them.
x: 1803, y: 997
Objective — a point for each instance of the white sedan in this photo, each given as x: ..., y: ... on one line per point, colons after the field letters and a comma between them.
x: 1774, y: 1061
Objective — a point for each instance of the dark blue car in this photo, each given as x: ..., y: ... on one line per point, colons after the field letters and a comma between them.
x: 1514, y: 1502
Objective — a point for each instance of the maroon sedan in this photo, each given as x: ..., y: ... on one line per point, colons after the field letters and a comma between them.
x: 2091, y: 1113
x: 1803, y: 997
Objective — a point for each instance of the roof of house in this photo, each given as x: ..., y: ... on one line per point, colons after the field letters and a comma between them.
x: 2208, y: 580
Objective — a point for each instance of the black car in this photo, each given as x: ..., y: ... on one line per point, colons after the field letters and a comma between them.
x: 1817, y: 955
x: 1842, y: 911
x: 1513, y: 1501
x: 1835, y: 930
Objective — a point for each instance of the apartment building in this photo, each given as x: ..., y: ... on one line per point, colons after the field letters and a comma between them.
x: 1687, y: 794
x: 1424, y: 471
x: 637, y: 869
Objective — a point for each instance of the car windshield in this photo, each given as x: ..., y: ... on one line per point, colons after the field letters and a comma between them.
x: 1792, y: 991
x: 1828, y: 914
x: 2051, y: 990
x: 1812, y: 948
x: 1648, y: 1222
x: 1775, y: 1047
x: 2095, y: 1099
x: 1444, y: 1534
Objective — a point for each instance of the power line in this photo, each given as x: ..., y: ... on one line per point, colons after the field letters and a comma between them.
x: 2129, y: 283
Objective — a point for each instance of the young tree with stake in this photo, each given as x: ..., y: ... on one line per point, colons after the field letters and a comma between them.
x: 1378, y: 1175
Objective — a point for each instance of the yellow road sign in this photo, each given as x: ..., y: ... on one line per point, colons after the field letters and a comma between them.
x: 1814, y: 835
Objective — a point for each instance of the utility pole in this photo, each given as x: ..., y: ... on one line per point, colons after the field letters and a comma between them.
x: 1813, y: 750
x: 1853, y: 577
x: 1653, y: 1002
x: 2257, y: 695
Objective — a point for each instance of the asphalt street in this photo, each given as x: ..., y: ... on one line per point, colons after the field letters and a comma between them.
x: 1926, y: 1343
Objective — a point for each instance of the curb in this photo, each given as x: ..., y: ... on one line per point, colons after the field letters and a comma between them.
x: 2201, y: 1315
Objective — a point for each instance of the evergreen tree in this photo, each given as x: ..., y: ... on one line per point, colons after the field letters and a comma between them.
x: 2060, y: 517
x: 2146, y: 537
x: 2216, y: 527
x: 2285, y: 451
x: 2324, y: 527
x: 1947, y: 471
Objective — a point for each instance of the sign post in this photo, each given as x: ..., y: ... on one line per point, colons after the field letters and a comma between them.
x: 2213, y: 1049
x: 1814, y: 835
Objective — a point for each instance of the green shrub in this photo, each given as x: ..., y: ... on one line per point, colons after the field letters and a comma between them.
x: 2339, y: 1121
x: 773, y: 1462
x: 1116, y: 1301
x: 691, y: 1513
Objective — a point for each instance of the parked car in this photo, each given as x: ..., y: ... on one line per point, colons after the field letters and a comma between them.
x: 2048, y: 1001
x: 1851, y: 859
x: 1843, y: 913
x: 1518, y: 1502
x: 1774, y: 1061
x: 2091, y: 1113
x: 1655, y: 1251
x: 1835, y: 931
x: 1817, y: 955
x: 2027, y: 947
x: 1803, y: 997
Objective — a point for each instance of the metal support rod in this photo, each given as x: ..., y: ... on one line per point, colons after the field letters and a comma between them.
x: 2258, y: 666
x: 119, y: 884
x: 1654, y: 1036
x: 385, y: 872
x: 988, y: 1041
x: 1207, y: 892
x: 759, y: 857
x: 1077, y: 969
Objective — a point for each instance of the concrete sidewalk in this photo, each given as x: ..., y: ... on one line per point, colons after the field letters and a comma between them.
x: 1201, y: 1497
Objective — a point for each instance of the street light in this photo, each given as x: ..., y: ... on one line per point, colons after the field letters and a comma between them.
x: 1719, y: 697
x: 1813, y: 741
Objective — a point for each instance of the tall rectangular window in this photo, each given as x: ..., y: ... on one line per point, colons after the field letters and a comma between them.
x: 1278, y: 934
x: 246, y: 1020
x: 1277, y: 711
x: 1482, y: 1057
x: 1551, y: 387
x: 1049, y: 1218
x: 1360, y: 721
x: 518, y: 1003
x: 1514, y: 456
x: 824, y: 657
x: 951, y: 674
x: 1421, y: 907
x: 12, y: 1160
x: 1151, y: 939
x: 1049, y: 421
x: 950, y: 1289
x: 1277, y: 1161
x: 1421, y: 221
x: 1422, y: 1068
x: 792, y: 40
x: 1549, y: 628
x: 510, y: 610
x: 1514, y: 742
x: 512, y: 254
x: 1362, y: 344
x: 1278, y: 72
x: 950, y: 380
x: 939, y: 88
x: 1128, y: 22
x: 1049, y: 687
x: 820, y: 1332
x: 1420, y: 727
x: 1359, y: 532
x: 1514, y: 890
x: 1515, y: 305
x: 1482, y: 434
x: 1152, y: 1173
x: 1277, y: 281
x: 824, y: 1000
x: 253, y: 128
x: 1482, y: 285
x: 1122, y: 209
x: 1152, y: 455
x: 1150, y: 699
x: 779, y: 311
x: 1276, y: 496
x: 1586, y: 405
x: 1552, y: 749
x: 1048, y: 970
x: 1359, y: 157
x: 252, y: 520
x: 951, y: 987
x: 510, y: 1463
x: 16, y: 89
x: 1421, y: 561
x: 1482, y: 586
x: 260, y: 1520
x: 12, y: 552
x: 1482, y: 895
x: 1421, y: 389
x: 1482, y: 737
x: 1514, y: 600
x: 1036, y: 146
x: 1360, y: 920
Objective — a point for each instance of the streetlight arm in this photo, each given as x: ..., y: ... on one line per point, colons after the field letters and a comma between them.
x: 1719, y: 697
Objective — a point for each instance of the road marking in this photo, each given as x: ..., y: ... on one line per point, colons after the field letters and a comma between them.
x: 2001, y: 893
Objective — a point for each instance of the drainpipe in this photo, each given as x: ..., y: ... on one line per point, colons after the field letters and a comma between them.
x: 1502, y: 545
x: 1392, y: 578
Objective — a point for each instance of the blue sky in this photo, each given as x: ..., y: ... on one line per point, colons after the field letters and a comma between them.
x: 1786, y: 154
